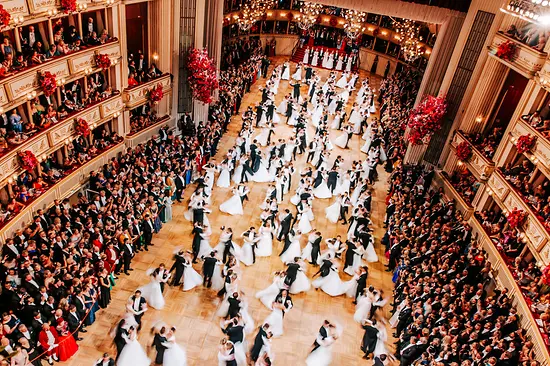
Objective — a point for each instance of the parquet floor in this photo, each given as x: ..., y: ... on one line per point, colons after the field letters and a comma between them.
x: 193, y: 312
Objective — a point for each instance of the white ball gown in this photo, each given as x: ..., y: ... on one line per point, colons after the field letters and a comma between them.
x: 357, y: 260
x: 233, y: 206
x: 262, y: 175
x: 174, y: 355
x: 332, y: 284
x: 380, y: 348
x: 268, y: 295
x: 153, y: 293
x: 294, y: 250
x: 304, y: 224
x: 247, y: 255
x: 298, y: 74
x: 224, y: 179
x: 191, y: 278
x: 332, y: 212
x: 305, y: 60
x: 265, y: 245
x: 133, y: 354
x: 217, y: 279
x: 286, y: 73
x: 315, y: 59
x: 322, y: 191
x: 322, y: 356
x: 363, y: 307
x: 300, y: 284
x: 275, y: 321
x: 343, y: 81
x: 342, y: 140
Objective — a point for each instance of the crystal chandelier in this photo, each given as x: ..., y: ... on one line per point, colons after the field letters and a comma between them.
x: 247, y: 18
x: 310, y: 13
x: 530, y: 10
x: 409, y: 39
x: 354, y: 23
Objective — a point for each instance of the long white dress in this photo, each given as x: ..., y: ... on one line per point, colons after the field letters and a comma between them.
x: 315, y: 59
x: 265, y: 245
x: 362, y: 309
x: 304, y: 225
x: 268, y: 295
x: 294, y: 250
x: 322, y: 191
x: 342, y: 140
x: 300, y: 284
x: 224, y: 179
x: 332, y: 284
x: 332, y: 212
x: 298, y: 74
x: 305, y: 60
x: 153, y: 294
x: 380, y: 348
x: 247, y: 255
x: 217, y: 279
x: 232, y: 206
x: 174, y: 355
x: 370, y: 254
x: 286, y: 74
x: 322, y: 356
x: 191, y: 278
x: 343, y: 81
x: 133, y: 354
x: 262, y: 175
x: 275, y: 321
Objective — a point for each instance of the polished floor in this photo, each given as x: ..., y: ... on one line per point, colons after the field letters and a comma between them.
x: 193, y: 312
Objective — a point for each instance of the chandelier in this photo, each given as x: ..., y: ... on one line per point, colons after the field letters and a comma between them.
x: 409, y: 39
x: 247, y: 18
x: 354, y: 23
x: 310, y: 13
x: 530, y: 10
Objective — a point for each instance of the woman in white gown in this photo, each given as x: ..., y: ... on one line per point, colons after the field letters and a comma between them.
x: 332, y: 212
x: 332, y: 284
x: 191, y: 278
x: 298, y: 74
x: 330, y: 61
x: 315, y: 59
x: 322, y: 191
x: 275, y: 319
x: 306, y: 214
x: 357, y: 259
x: 339, y: 63
x: 305, y: 60
x: 343, y: 81
x: 233, y: 206
x: 262, y: 175
x: 286, y: 72
x: 262, y: 137
x: 363, y: 307
x: 247, y: 255
x: 322, y: 356
x: 174, y: 355
x: 226, y: 352
x: 265, y: 245
x: 370, y: 254
x: 268, y: 295
x: 301, y: 283
x: 283, y: 106
x: 342, y: 140
x: 133, y: 354
x: 294, y: 249
x: 224, y: 179
x: 152, y: 291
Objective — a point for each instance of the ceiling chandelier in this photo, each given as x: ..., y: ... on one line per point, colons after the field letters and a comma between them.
x: 530, y: 10
x: 310, y: 13
x: 354, y: 23
x: 252, y: 12
x: 409, y: 39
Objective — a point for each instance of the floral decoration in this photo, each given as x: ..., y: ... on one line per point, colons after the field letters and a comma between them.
x: 464, y: 151
x: 546, y: 275
x: 5, y: 16
x: 27, y: 160
x: 506, y: 50
x: 48, y: 83
x: 516, y: 217
x: 376, y: 32
x: 156, y: 94
x: 290, y: 16
x: 82, y: 127
x: 68, y: 6
x: 102, y: 61
x: 333, y: 22
x: 203, y: 79
x: 525, y: 143
x: 426, y: 119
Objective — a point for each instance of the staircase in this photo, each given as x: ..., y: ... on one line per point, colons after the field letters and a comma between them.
x: 298, y: 55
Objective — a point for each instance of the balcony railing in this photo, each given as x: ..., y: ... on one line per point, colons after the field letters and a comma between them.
x: 480, y: 166
x: 463, y: 206
x: 509, y: 198
x: 52, y: 138
x: 526, y: 61
x: 138, y: 95
x: 62, y: 189
x: 137, y: 137
x: 15, y: 88
x: 506, y: 280
x: 541, y: 150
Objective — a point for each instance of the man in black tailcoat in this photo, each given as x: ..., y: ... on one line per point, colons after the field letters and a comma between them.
x: 119, y: 340
x: 332, y: 180
x: 178, y: 266
x: 208, y: 268
x: 263, y: 332
x: 369, y: 338
x: 285, y: 226
x: 158, y: 343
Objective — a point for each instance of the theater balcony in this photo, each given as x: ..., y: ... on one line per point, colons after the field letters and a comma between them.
x: 479, y: 164
x: 523, y: 59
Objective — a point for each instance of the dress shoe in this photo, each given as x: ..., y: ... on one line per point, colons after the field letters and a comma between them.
x: 130, y: 269
x: 50, y: 362
x: 126, y: 273
x: 79, y: 339
x: 354, y: 302
x: 146, y: 249
x: 84, y: 331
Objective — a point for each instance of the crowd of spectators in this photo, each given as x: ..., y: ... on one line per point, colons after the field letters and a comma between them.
x: 19, y: 124
x: 138, y: 70
x: 142, y: 117
x: 488, y: 144
x: 465, y: 184
x: 446, y: 310
x: 58, y: 272
x: 238, y: 51
x: 538, y: 122
x: 35, y: 52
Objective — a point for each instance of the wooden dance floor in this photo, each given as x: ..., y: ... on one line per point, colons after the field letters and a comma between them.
x: 193, y: 312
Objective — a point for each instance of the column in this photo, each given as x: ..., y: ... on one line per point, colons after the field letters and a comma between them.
x: 200, y: 110
x: 161, y: 42
x: 484, y: 97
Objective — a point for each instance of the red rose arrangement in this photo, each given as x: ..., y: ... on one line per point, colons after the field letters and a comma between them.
x: 506, y: 50
x: 525, y: 143
x: 516, y: 217
x: 290, y: 16
x: 68, y: 5
x: 546, y: 275
x: 82, y: 127
x: 102, y: 61
x: 203, y: 79
x: 464, y: 151
x: 333, y: 22
x: 156, y: 94
x: 426, y: 119
x: 47, y: 82
x: 5, y: 17
x: 27, y: 160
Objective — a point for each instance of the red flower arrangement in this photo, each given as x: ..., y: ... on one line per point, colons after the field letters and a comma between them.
x: 525, y: 143
x: 516, y: 217
x: 376, y: 32
x: 426, y: 118
x: 47, y: 82
x: 68, y: 6
x: 156, y: 94
x: 102, y: 61
x: 82, y: 127
x: 333, y: 22
x: 203, y: 79
x: 506, y: 50
x: 290, y: 16
x: 5, y: 17
x: 27, y: 160
x: 464, y: 151
x: 546, y: 275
